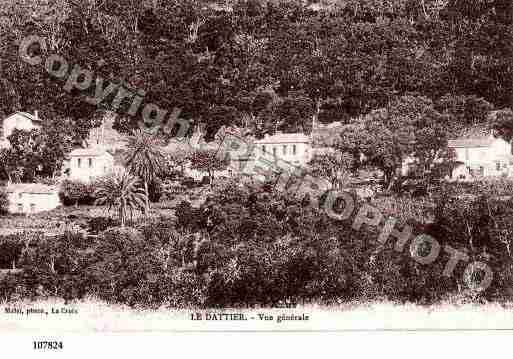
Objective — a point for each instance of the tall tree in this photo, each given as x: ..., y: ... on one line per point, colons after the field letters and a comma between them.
x: 145, y: 159
x: 121, y: 192
x: 207, y: 161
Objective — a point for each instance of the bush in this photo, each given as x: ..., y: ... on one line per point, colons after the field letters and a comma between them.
x: 98, y: 225
x: 189, y: 183
x: 155, y: 190
x: 123, y: 260
x: 170, y: 189
x: 75, y: 193
x: 10, y: 250
x: 4, y: 202
x: 46, y: 180
x: 205, y: 180
x: 247, y: 247
x: 185, y: 289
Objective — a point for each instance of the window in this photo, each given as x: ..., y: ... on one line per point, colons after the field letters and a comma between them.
x: 90, y: 163
x: 79, y: 162
x: 284, y: 149
x: 293, y: 149
x: 32, y: 207
x: 274, y: 151
x: 498, y: 166
x: 20, y: 195
x: 20, y: 207
x: 263, y: 149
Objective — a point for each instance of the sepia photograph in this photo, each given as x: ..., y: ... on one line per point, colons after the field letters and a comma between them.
x: 255, y: 165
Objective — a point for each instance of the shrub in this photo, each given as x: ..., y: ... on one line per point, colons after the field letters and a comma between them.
x: 4, y: 202
x: 155, y: 190
x: 75, y: 193
x: 185, y: 289
x: 248, y: 247
x: 10, y: 250
x: 123, y: 260
x: 187, y: 216
x: 8, y: 285
x: 46, y: 180
x: 189, y: 183
x: 170, y: 189
x: 98, y: 225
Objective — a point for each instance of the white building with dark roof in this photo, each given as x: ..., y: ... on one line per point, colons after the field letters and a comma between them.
x: 20, y: 121
x: 86, y: 164
x: 482, y: 156
x: 26, y: 198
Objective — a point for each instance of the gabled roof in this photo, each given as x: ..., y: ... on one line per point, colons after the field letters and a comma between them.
x: 470, y: 142
x: 33, y: 188
x: 473, y: 137
x: 284, y: 138
x: 88, y: 152
x: 26, y: 115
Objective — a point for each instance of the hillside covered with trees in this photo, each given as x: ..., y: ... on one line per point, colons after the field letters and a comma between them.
x: 399, y: 78
x: 265, y: 65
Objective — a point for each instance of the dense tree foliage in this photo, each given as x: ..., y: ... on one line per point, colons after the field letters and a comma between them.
x: 246, y: 247
x: 122, y: 193
x: 275, y: 63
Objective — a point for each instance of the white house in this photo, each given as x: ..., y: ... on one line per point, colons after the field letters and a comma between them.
x: 86, y: 164
x: 32, y: 197
x: 295, y: 148
x: 19, y: 120
x: 282, y: 152
x: 482, y: 156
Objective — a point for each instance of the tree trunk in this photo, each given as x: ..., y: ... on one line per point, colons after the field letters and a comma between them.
x: 147, y: 199
x: 122, y: 218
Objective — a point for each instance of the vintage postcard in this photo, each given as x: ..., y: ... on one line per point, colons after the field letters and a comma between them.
x: 255, y: 165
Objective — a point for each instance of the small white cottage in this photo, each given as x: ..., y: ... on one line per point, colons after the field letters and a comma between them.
x: 86, y: 164
x: 19, y: 120
x: 29, y: 198
x: 482, y: 156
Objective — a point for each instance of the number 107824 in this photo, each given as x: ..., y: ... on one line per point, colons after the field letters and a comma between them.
x: 46, y: 345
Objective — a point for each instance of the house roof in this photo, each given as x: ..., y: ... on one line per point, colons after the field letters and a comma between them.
x: 284, y: 138
x: 34, y: 188
x: 88, y: 152
x: 470, y: 142
x: 473, y: 137
x: 26, y: 115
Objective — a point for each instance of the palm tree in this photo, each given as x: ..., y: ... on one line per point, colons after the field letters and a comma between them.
x: 145, y: 159
x: 121, y: 192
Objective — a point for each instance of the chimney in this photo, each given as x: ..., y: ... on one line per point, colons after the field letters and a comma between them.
x: 36, y: 115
